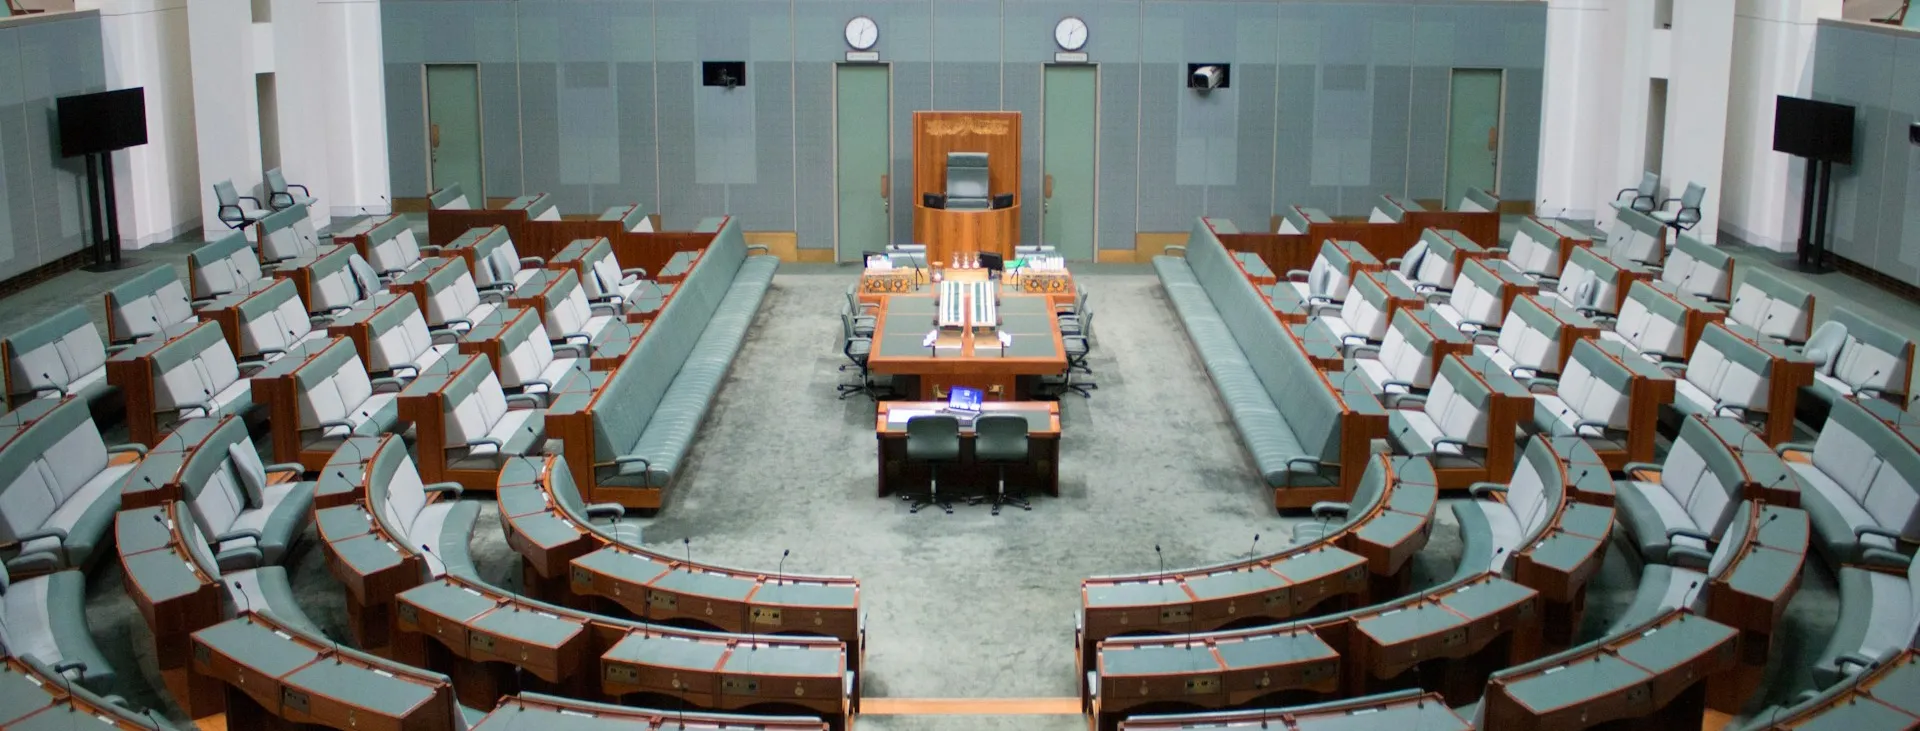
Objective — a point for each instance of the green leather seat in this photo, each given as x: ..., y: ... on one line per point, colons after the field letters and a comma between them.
x: 440, y: 527
x: 1861, y: 488
x: 45, y: 620
x: 1690, y: 504
x: 224, y: 266
x: 60, y: 491
x: 1879, y: 616
x: 230, y: 500
x: 967, y: 185
x: 934, y: 440
x: 60, y: 356
x: 567, y: 495
x: 260, y: 587
x: 153, y: 303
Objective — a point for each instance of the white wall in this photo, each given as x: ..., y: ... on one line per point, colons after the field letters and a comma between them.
x: 1582, y: 84
x: 145, y: 42
x: 353, y: 92
x: 226, y: 111
x: 1701, y: 44
x: 1772, y: 55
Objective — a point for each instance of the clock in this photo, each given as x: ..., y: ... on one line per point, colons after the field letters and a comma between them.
x: 862, y: 33
x: 1070, y: 33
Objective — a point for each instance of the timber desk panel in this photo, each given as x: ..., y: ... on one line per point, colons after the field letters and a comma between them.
x: 174, y: 596
x: 963, y: 357
x: 445, y: 225
x: 946, y: 232
x: 546, y: 238
x: 1039, y: 473
x: 1653, y: 673
x: 260, y: 671
x: 552, y: 713
x: 1752, y: 594
x: 568, y: 562
x: 1483, y: 227
x: 1347, y: 654
x: 1275, y: 588
x: 1385, y: 240
x: 473, y: 624
x: 1886, y: 696
x: 1408, y: 710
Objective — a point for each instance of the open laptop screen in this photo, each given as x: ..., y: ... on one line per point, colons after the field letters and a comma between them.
x: 962, y: 398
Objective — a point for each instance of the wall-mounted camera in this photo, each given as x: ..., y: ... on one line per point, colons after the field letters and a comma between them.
x: 1206, y: 77
x: 725, y: 74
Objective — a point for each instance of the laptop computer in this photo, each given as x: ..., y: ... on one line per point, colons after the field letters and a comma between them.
x: 964, y: 402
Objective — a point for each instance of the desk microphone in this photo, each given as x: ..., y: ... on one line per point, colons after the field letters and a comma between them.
x: 1162, y: 557
x: 1686, y: 599
x: 1251, y: 549
x: 780, y: 573
x: 240, y: 593
x: 687, y: 543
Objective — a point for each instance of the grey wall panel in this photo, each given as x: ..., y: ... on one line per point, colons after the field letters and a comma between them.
x: 1902, y: 181
x: 1520, y: 134
x: 58, y: 59
x: 1876, y: 200
x: 20, y: 247
x: 1354, y: 107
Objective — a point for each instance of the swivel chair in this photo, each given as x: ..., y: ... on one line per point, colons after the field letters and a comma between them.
x: 934, y: 440
x: 1642, y: 199
x: 1000, y: 439
x: 233, y: 212
x: 857, y: 348
x: 1685, y: 217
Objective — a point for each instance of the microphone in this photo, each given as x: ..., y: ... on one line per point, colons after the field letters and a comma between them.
x: 240, y: 592
x: 1251, y: 549
x: 687, y: 543
x: 336, y: 648
x: 780, y: 573
x: 1162, y: 557
x: 1686, y: 599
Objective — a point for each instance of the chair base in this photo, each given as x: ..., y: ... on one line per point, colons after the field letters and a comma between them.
x: 930, y: 497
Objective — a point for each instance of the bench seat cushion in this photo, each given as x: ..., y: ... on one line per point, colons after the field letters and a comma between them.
x: 86, y: 516
x: 1661, y: 588
x: 267, y: 590
x: 281, y: 516
x: 1834, y: 514
x: 1647, y: 510
x: 45, y: 618
x: 1876, y: 613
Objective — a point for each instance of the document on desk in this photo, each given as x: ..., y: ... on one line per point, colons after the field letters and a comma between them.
x: 899, y: 417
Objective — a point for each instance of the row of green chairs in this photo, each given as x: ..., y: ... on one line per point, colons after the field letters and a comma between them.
x: 998, y: 439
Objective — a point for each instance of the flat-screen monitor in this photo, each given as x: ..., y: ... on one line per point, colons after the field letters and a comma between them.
x: 1813, y: 129
x: 964, y: 399
x: 1004, y: 200
x: 933, y: 200
x: 992, y: 262
x: 102, y: 122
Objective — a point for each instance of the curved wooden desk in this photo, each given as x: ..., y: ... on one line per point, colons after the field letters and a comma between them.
x: 1653, y: 672
x: 534, y: 710
x: 1403, y: 710
x: 948, y: 232
x: 258, y: 669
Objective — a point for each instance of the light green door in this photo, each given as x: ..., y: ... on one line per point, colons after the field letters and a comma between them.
x: 862, y: 118
x: 1473, y: 133
x: 1072, y: 103
x: 453, y: 129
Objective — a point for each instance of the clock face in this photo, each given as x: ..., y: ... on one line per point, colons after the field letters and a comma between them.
x: 862, y: 33
x: 1071, y: 33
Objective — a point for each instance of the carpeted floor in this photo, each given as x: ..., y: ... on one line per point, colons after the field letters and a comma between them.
x: 968, y: 605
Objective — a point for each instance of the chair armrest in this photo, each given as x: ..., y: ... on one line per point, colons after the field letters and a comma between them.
x: 635, y: 271
x: 139, y: 449
x: 240, y: 559
x: 1393, y: 263
x: 1735, y: 409
x: 115, y: 348
x: 70, y: 666
x: 584, y: 338
x: 294, y: 467
x: 270, y: 350
x: 342, y: 423
x: 494, y: 296
x: 525, y: 401
x: 1783, y: 448
x: 1397, y: 384
x: 1883, y: 558
x: 303, y: 189
x: 1549, y: 383
x: 1436, y: 295
x: 185, y: 406
x: 1694, y: 558
x: 387, y: 385
x: 605, y: 307
x: 445, y: 488
x: 1373, y: 350
x: 1862, y: 531
x: 1447, y: 441
x: 1693, y: 533
x: 452, y: 321
x: 541, y: 382
x: 1309, y: 461
x: 249, y: 367
x: 576, y: 350
x: 234, y: 535
x: 1177, y: 247
x: 1297, y: 275
x: 484, y: 442
x: 38, y: 562
x: 1857, y: 659
x: 406, y: 366
x: 533, y: 261
x: 762, y: 248
x: 1329, y: 508
x: 1594, y: 423
x: 606, y: 510
x: 1632, y: 467
x: 1482, y: 489
x: 1410, y: 398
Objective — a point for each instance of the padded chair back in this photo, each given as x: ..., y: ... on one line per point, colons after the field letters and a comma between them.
x: 153, y: 302
x: 967, y: 181
x: 1873, y: 464
x: 1458, y: 403
x: 494, y: 257
x: 272, y: 320
x: 1531, y: 336
x: 1388, y: 210
x: 332, y: 384
x: 226, y: 265
x: 393, y: 246
x: 475, y: 403
x: 287, y: 234
x: 528, y: 352
x: 199, y: 549
x: 1476, y: 294
x: 567, y: 308
x: 54, y: 353
x: 1730, y: 545
x: 1637, y: 237
x: 1703, y: 475
x: 450, y: 198
x: 603, y: 271
x: 1365, y: 309
x: 1730, y: 370
x: 1407, y: 351
x: 1690, y: 204
x: 1653, y: 322
x: 192, y: 369
x: 999, y: 437
x: 1773, y: 307
x: 1596, y: 386
x: 933, y: 438
x: 451, y: 294
x: 229, y: 200
x: 47, y: 464
x: 1535, y: 249
x: 394, y: 487
x: 335, y: 286
x: 1537, y: 489
x: 276, y: 182
x: 1589, y: 281
x: 1475, y: 200
x: 1699, y: 269
x: 216, y: 492
x: 400, y: 336
x: 1644, y: 193
x: 1872, y: 357
x: 1438, y: 268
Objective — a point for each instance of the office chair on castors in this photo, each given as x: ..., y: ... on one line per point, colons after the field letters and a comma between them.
x: 999, y: 439
x: 933, y: 440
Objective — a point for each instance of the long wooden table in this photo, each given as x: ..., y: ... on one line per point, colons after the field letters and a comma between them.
x: 964, y: 357
x: 1039, y: 473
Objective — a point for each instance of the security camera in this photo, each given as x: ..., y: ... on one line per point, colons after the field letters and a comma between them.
x: 1207, y: 77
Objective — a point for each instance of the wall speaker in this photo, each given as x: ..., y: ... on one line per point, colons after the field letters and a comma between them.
x: 1913, y: 133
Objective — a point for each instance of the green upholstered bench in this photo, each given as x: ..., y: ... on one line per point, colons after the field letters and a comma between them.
x: 45, y: 618
x: 286, y: 234
x: 62, y: 491
x: 251, y: 521
x: 436, y: 530
x: 449, y: 198
x: 1854, y: 356
x: 154, y: 303
x: 1859, y: 485
x: 1771, y: 307
x: 55, y: 358
x: 642, y: 422
x: 225, y: 266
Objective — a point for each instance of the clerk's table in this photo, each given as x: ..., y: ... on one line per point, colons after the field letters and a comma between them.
x: 1039, y: 473
x: 971, y: 356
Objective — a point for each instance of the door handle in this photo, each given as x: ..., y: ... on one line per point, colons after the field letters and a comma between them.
x: 886, y: 203
x: 433, y: 136
x: 1493, y: 139
x: 1048, y: 187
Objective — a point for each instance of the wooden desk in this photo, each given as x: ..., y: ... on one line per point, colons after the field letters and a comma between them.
x: 1884, y: 696
x: 1212, y: 673
x: 173, y: 595
x: 1752, y: 594
x: 950, y: 233
x: 527, y: 711
x: 261, y: 672
x: 1424, y: 712
x: 1039, y: 473
x: 1654, y: 672
x: 964, y: 358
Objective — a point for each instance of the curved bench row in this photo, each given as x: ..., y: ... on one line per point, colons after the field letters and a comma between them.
x: 1388, y: 522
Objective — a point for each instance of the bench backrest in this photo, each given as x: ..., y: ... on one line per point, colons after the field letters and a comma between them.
x: 53, y: 353
x: 451, y: 293
x: 272, y: 319
x: 1703, y: 475
x: 1530, y: 335
x: 1589, y: 280
x: 335, y: 284
x: 475, y: 402
x: 286, y: 234
x: 1699, y: 269
x: 1365, y: 309
x: 567, y: 308
x: 539, y: 207
x: 494, y: 257
x: 449, y: 198
x: 216, y: 490
x: 1439, y: 266
x: 1653, y: 322
x: 633, y: 218
x: 1388, y: 210
x: 630, y: 395
x: 399, y: 336
x: 1730, y: 370
x: 47, y: 464
x: 1872, y: 356
x: 1596, y: 386
x: 1475, y: 200
x: 394, y: 489
x: 1637, y: 237
x: 1477, y: 294
x: 1459, y: 402
x: 1331, y: 274
x: 331, y: 384
x: 393, y: 246
x: 527, y: 351
x: 147, y: 304
x: 1535, y: 248
x: 225, y: 265
x: 1407, y: 350
x: 193, y: 368
x: 1873, y: 464
x: 1772, y: 307
x: 1537, y: 489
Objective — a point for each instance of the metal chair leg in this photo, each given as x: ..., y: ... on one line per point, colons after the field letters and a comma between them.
x: 933, y: 494
x: 1003, y: 498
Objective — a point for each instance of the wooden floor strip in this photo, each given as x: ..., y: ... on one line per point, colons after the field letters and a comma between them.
x: 970, y: 706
